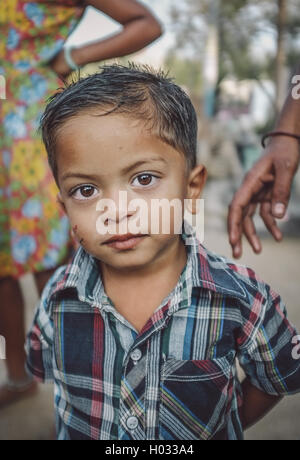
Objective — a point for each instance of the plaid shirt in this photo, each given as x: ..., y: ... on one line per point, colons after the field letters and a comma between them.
x: 177, y: 378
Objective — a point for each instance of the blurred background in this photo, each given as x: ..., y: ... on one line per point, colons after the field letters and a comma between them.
x: 236, y: 60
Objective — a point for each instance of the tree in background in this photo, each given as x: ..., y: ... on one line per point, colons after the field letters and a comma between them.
x: 243, y: 27
x: 188, y: 75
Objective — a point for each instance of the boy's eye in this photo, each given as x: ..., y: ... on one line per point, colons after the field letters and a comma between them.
x: 85, y: 192
x: 145, y: 180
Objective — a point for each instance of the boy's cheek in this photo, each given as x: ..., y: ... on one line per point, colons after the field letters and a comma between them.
x: 84, y: 229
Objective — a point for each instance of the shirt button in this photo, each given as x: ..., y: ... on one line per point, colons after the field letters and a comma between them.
x: 132, y: 423
x: 136, y: 355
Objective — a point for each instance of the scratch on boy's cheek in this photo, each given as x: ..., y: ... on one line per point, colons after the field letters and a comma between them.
x: 75, y: 231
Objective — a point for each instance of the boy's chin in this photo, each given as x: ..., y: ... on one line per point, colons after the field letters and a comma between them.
x: 127, y: 267
x: 126, y: 260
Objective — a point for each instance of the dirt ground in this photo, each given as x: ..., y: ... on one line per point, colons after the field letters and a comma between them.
x: 278, y: 265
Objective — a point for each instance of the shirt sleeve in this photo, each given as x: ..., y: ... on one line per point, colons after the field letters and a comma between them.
x: 270, y: 359
x: 39, y: 343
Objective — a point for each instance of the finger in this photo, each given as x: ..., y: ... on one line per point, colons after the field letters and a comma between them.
x: 265, y: 194
x: 270, y: 222
x: 284, y: 173
x: 236, y: 214
x: 241, y: 209
x: 250, y: 230
x: 235, y: 230
x: 253, y: 185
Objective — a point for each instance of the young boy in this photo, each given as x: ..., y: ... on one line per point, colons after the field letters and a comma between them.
x: 140, y: 333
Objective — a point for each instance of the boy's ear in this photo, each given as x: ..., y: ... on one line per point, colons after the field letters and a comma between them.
x: 60, y: 201
x: 196, y: 182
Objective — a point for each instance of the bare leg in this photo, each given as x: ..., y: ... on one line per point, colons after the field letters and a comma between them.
x: 12, y: 327
x: 13, y: 330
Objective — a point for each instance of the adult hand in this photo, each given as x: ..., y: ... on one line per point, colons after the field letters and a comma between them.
x: 268, y: 185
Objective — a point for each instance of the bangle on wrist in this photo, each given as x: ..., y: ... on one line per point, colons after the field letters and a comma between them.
x: 68, y: 58
x: 278, y: 133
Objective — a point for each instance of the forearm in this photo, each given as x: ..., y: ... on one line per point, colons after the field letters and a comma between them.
x: 134, y: 36
x: 289, y: 118
x: 256, y: 404
x: 140, y: 28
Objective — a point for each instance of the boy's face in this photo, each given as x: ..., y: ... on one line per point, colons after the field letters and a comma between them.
x: 99, y: 156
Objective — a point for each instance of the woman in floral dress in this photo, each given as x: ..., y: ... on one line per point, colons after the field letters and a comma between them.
x: 34, y: 233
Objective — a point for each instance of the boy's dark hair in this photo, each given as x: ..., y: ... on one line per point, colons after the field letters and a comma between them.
x: 136, y: 91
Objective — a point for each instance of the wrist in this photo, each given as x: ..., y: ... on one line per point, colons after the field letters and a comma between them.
x: 79, y: 57
x: 281, y: 138
x: 282, y: 141
x: 72, y: 58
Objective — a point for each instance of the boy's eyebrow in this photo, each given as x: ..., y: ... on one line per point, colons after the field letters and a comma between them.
x: 75, y: 175
x: 127, y: 169
x: 141, y: 163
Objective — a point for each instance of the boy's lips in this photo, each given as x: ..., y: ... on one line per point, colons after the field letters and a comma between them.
x: 123, y: 237
x: 122, y: 242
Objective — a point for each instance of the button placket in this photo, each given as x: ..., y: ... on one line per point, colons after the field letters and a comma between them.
x: 131, y: 421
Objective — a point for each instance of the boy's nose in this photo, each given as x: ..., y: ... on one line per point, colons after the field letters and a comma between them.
x: 121, y: 202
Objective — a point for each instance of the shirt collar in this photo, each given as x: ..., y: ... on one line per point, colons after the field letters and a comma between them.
x: 203, y: 269
x: 209, y: 270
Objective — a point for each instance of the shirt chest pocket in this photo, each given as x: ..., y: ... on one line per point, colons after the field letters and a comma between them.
x: 195, y: 397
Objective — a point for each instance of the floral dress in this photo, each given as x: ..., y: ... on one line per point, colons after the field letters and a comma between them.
x: 34, y: 232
